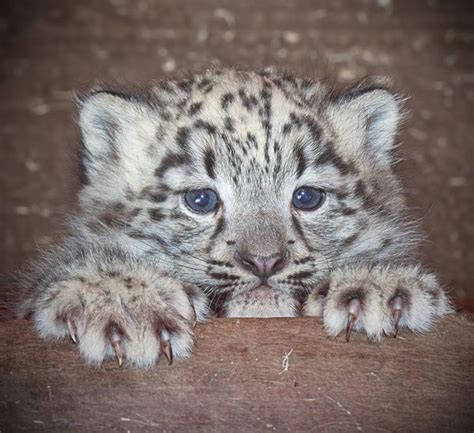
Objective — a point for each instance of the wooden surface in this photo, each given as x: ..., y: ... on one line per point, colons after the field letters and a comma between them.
x: 235, y: 382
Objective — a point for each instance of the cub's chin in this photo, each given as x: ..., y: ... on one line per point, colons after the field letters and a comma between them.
x: 262, y: 301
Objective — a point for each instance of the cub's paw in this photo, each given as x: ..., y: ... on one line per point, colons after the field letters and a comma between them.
x: 133, y: 318
x: 378, y: 301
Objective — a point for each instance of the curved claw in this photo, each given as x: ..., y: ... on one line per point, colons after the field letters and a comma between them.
x: 72, y: 330
x: 115, y: 340
x: 396, y: 306
x: 194, y: 317
x: 397, y: 314
x: 354, y: 310
x: 166, y: 350
x: 350, y: 323
x: 165, y: 347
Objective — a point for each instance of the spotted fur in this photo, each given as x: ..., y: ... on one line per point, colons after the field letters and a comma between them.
x: 139, y: 260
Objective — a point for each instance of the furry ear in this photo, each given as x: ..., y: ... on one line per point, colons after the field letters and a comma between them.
x: 115, y: 128
x: 367, y: 116
x: 101, y: 115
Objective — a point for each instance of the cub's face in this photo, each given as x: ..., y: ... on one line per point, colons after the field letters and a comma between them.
x: 252, y: 186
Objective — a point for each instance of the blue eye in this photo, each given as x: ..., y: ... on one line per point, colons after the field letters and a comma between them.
x: 308, y: 198
x: 202, y: 200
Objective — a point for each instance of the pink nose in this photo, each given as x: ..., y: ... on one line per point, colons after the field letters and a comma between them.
x: 262, y: 267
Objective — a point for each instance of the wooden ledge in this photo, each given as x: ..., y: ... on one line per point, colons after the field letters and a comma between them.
x: 235, y: 382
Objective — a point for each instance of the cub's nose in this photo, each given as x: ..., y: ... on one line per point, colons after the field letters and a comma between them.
x: 262, y: 267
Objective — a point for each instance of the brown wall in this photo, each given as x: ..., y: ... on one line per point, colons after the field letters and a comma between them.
x: 52, y: 48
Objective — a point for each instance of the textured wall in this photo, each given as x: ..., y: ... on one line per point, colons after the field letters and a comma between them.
x: 52, y: 48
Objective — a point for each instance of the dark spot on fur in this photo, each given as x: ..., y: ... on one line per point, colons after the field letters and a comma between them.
x: 155, y: 214
x: 151, y: 150
x: 226, y: 100
x: 129, y: 194
x: 137, y: 234
x: 303, y: 260
x: 220, y: 263
x: 341, y: 195
x: 109, y: 219
x: 251, y: 139
x: 361, y: 192
x: 195, y: 108
x: 348, y: 211
x: 219, y: 228
x: 175, y: 214
x: 165, y: 115
x: 253, y: 100
x: 202, y: 124
x: 205, y: 82
x: 128, y: 283
x: 182, y: 136
x: 314, y: 128
x: 323, y: 291
x: 169, y: 161
x: 300, y: 275
x: 351, y: 239
x: 330, y: 156
x: 249, y: 102
x: 300, y: 159
x: 223, y: 276
x: 229, y: 124
x: 157, y: 197
x: 118, y: 207
x: 209, y: 163
x: 186, y: 85
x: 295, y: 120
x: 299, y: 231
x: 286, y: 128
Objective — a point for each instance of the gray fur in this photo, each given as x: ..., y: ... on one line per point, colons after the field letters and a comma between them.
x: 138, y: 258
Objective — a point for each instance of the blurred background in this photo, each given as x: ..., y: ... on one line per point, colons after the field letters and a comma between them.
x: 50, y: 49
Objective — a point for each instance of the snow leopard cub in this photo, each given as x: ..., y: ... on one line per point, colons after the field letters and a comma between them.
x: 236, y: 194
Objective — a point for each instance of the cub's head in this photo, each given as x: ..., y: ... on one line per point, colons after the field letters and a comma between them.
x: 252, y: 186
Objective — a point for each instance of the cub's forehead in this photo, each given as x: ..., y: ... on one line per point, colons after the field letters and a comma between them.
x: 246, y: 125
x: 244, y: 96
